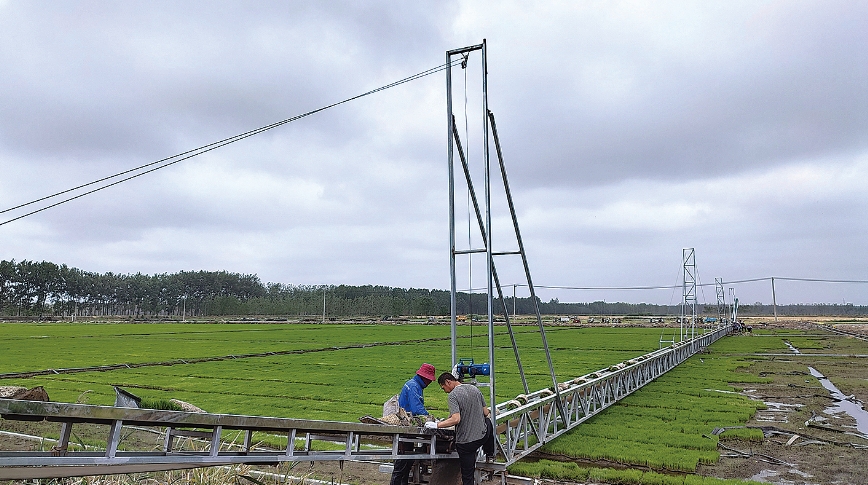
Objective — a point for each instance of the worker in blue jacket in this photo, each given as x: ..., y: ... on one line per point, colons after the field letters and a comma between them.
x: 412, y: 400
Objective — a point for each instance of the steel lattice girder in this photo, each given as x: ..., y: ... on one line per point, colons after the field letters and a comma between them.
x: 526, y: 428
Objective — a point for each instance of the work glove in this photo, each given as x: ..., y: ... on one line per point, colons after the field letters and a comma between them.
x: 431, y: 425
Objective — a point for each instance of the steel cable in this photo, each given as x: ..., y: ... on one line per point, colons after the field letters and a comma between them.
x: 168, y: 161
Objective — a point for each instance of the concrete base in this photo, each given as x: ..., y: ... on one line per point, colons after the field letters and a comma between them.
x: 445, y: 472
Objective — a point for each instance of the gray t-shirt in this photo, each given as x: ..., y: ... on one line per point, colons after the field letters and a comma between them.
x: 467, y: 400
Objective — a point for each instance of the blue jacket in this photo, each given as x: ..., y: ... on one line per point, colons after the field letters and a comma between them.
x: 411, y: 398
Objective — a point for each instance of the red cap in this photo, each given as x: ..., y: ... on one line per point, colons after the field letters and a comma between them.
x: 426, y: 371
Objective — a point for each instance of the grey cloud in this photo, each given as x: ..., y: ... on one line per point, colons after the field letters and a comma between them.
x: 795, y: 89
x: 96, y: 78
x: 594, y: 104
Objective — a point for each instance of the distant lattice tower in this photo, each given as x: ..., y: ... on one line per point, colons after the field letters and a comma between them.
x: 688, y: 287
x: 721, y: 301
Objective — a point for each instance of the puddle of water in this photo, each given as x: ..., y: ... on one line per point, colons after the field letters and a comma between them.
x: 766, y: 416
x: 761, y: 476
x: 777, y: 412
x: 793, y: 349
x: 843, y: 404
x: 765, y: 475
x: 782, y: 406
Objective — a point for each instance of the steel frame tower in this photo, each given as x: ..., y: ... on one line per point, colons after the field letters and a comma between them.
x: 688, y: 291
x: 484, y: 220
x: 721, y: 301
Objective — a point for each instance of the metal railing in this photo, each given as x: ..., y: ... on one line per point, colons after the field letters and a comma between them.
x: 530, y: 421
x: 307, y: 440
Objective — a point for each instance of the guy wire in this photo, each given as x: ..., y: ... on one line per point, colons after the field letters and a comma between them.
x: 205, y: 148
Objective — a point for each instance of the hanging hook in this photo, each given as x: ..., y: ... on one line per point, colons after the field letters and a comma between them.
x: 465, y: 56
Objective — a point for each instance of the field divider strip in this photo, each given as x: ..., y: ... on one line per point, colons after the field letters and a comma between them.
x: 199, y: 360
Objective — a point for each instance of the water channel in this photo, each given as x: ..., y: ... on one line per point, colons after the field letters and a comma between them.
x: 843, y: 404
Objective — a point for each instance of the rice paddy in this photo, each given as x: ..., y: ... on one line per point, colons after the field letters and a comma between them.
x: 342, y: 372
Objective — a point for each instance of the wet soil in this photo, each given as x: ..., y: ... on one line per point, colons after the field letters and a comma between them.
x: 804, y: 443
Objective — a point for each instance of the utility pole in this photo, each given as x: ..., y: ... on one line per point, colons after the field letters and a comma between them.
x: 513, y: 301
x: 774, y: 300
x: 733, y: 306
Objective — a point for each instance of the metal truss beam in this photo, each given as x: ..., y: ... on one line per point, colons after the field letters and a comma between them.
x: 525, y: 428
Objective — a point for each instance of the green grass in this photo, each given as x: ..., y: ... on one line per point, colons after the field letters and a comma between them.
x: 664, y: 426
x: 345, y: 384
x: 567, y: 471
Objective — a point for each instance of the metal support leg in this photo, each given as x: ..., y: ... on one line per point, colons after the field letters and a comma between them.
x: 349, y: 444
x: 215, y: 440
x: 167, y: 442
x: 248, y: 440
x: 290, y: 443
x: 114, y: 438
x: 63, y: 441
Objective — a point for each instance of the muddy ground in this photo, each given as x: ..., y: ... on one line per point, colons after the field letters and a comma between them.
x: 804, y: 443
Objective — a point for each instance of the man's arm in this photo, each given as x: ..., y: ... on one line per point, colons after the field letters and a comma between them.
x: 452, y: 420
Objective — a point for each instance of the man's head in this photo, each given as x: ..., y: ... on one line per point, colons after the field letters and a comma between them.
x: 426, y: 372
x: 447, y: 382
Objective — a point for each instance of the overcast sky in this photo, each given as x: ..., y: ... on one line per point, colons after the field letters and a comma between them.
x: 630, y: 130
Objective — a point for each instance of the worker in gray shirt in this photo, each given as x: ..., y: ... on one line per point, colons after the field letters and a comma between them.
x: 467, y: 412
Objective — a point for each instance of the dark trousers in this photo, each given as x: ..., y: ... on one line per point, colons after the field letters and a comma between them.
x: 467, y: 459
x: 401, y: 472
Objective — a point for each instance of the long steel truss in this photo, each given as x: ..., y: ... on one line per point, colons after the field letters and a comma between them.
x: 523, y: 429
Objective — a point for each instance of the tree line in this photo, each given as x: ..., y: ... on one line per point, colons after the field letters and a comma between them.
x: 40, y: 289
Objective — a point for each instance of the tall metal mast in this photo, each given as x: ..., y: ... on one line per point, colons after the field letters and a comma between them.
x: 688, y: 286
x: 484, y: 220
x: 486, y: 229
x: 721, y: 301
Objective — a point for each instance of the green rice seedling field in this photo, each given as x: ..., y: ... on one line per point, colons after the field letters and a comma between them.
x: 336, y: 372
x: 342, y: 372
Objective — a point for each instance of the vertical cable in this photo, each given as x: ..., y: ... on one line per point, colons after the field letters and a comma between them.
x: 466, y: 57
